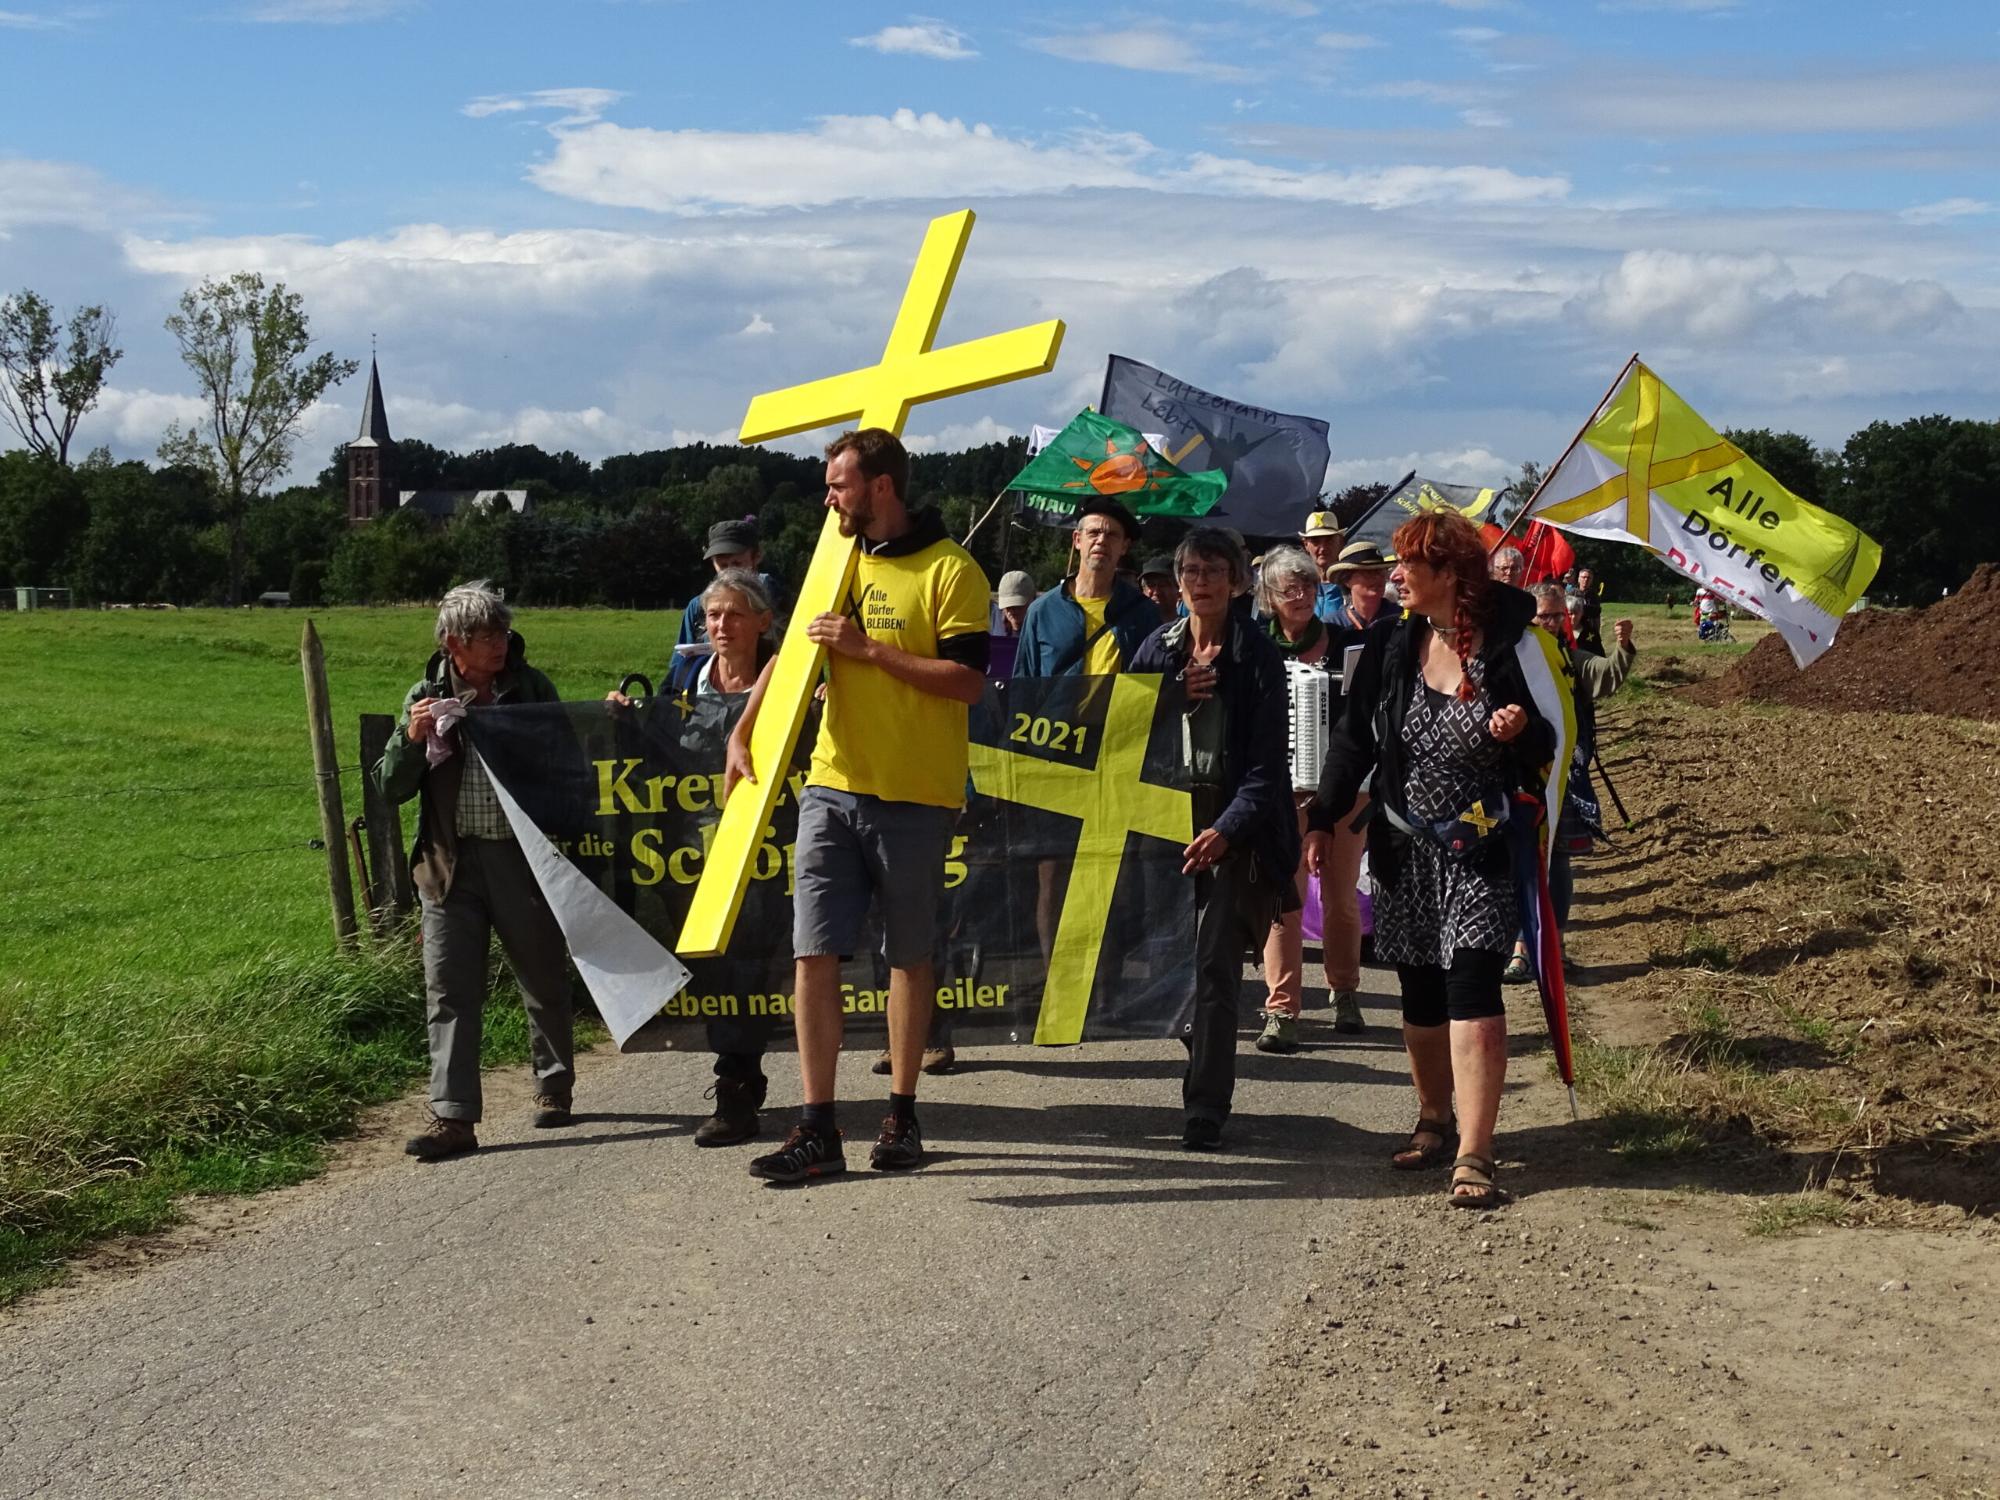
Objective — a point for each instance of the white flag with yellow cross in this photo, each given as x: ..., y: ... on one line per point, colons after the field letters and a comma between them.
x: 1649, y: 470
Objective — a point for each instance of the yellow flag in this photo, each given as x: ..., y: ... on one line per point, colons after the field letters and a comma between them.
x: 1649, y: 470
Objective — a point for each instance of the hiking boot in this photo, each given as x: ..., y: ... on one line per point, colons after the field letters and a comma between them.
x: 1201, y: 1135
x: 899, y: 1147
x: 1347, y: 1013
x: 442, y: 1138
x: 882, y: 1066
x: 552, y: 1112
x: 806, y: 1153
x: 940, y: 1059
x: 737, y: 1101
x: 1281, y: 1033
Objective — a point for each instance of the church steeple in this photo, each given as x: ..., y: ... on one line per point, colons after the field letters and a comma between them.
x: 371, y: 458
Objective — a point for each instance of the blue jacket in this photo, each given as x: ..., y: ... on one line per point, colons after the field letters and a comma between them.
x: 1250, y: 680
x: 1052, y: 636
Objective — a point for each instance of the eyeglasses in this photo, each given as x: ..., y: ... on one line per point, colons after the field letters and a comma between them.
x: 1294, y: 595
x: 1204, y: 572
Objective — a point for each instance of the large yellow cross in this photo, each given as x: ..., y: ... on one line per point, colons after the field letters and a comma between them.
x: 910, y: 371
x: 1110, y: 801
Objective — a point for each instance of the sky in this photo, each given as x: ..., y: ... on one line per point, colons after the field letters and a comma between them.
x: 1439, y: 225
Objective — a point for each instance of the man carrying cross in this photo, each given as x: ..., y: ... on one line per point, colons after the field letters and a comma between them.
x: 906, y: 658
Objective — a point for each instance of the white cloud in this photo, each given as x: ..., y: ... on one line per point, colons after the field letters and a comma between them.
x: 1721, y: 297
x: 1485, y: 119
x: 573, y: 106
x: 324, y: 12
x: 1149, y: 48
x: 1474, y: 36
x: 21, y: 20
x: 954, y: 436
x: 1470, y: 465
x: 1945, y: 210
x: 910, y: 156
x: 1716, y: 103
x: 66, y: 194
x: 1689, y: 7
x: 1346, y: 41
x: 921, y: 38
x: 1296, y: 10
x: 756, y: 327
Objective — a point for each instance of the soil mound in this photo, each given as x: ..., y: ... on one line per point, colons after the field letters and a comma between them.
x: 1943, y: 659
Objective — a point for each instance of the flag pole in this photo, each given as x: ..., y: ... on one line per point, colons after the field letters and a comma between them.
x: 1526, y: 511
x: 983, y: 519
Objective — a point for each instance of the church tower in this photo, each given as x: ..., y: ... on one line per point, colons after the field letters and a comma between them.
x: 371, y: 459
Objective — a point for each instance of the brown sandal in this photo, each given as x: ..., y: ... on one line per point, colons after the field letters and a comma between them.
x: 1416, y: 1158
x: 1476, y: 1173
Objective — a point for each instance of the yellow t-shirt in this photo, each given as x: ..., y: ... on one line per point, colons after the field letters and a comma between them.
x: 1101, y: 660
x: 881, y: 737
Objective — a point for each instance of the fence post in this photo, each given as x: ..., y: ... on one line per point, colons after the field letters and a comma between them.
x: 391, y: 892
x: 326, y: 772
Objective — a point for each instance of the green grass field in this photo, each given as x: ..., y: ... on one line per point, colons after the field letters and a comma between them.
x: 172, y: 1014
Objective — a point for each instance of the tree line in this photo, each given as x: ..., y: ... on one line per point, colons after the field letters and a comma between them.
x: 206, y: 525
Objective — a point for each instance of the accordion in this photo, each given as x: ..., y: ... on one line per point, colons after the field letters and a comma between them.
x: 1311, y: 694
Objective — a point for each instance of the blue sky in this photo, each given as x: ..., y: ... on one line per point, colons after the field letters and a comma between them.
x: 604, y: 224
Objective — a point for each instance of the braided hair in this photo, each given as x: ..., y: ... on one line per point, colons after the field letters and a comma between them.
x: 1448, y: 542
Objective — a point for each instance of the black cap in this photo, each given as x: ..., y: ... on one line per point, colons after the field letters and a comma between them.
x: 1104, y: 505
x: 1162, y: 564
x: 726, y: 537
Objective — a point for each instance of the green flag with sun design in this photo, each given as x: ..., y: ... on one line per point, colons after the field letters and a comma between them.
x: 1097, y: 456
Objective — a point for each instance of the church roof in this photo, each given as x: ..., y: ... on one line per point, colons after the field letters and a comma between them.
x: 374, y: 419
x: 442, y: 505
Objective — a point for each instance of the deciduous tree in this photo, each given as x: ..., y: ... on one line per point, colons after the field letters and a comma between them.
x: 49, y: 382
x: 248, y: 348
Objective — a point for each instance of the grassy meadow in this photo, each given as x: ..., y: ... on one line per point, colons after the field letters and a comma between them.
x: 173, y: 1016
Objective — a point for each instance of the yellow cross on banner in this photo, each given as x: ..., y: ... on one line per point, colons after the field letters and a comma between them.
x: 1643, y: 472
x: 1110, y: 801
x: 1480, y: 818
x: 910, y: 371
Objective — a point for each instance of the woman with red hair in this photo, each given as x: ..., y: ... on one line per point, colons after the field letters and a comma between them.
x: 1441, y: 725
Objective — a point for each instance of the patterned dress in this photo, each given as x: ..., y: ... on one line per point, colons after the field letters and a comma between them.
x: 1438, y: 904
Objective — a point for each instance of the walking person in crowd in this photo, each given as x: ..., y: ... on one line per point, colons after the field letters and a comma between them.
x: 731, y: 544
x: 906, y: 659
x: 1586, y: 612
x: 1094, y: 621
x: 1594, y: 679
x: 1246, y: 844
x: 1440, y: 715
x: 1156, y: 581
x: 1363, y: 575
x: 1010, y: 609
x: 1323, y: 538
x: 738, y: 617
x: 1288, y: 590
x: 471, y: 876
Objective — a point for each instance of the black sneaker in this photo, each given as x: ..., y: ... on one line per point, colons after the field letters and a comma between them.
x: 806, y: 1153
x: 1201, y: 1135
x: 899, y: 1147
x: 552, y: 1112
x: 737, y: 1101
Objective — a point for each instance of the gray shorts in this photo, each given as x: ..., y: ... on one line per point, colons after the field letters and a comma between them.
x: 853, y: 848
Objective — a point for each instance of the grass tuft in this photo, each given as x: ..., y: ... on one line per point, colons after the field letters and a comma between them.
x: 1795, y: 1213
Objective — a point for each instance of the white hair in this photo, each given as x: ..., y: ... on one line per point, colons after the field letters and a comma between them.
x: 473, y: 608
x: 1284, y: 566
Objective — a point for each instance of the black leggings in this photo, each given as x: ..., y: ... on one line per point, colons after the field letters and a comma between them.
x: 1468, y: 991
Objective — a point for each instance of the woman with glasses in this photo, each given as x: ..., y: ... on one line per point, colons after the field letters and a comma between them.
x: 1246, y: 844
x: 1441, y: 720
x: 1287, y: 596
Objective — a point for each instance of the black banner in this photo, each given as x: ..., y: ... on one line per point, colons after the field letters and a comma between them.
x: 1068, y: 850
